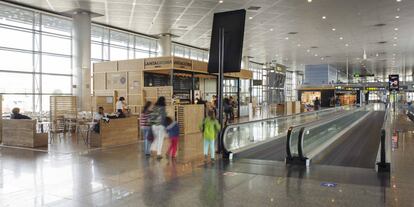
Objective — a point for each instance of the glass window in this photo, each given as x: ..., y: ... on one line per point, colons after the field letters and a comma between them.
x: 24, y: 102
x: 56, y: 64
x: 96, y: 51
x: 55, y: 84
x: 16, y: 83
x: 16, y: 61
x: 118, y: 53
x: 119, y: 38
x: 8, y: 38
x: 141, y: 54
x: 16, y: 17
x: 57, y: 45
x: 56, y: 25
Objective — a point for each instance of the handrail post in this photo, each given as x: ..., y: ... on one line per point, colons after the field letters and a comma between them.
x: 383, y: 166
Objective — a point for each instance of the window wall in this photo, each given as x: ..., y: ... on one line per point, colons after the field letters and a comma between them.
x: 109, y: 44
x: 36, y: 61
x: 258, y: 74
x: 189, y: 52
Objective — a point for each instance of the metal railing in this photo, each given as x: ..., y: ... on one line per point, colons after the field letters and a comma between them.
x: 383, y: 161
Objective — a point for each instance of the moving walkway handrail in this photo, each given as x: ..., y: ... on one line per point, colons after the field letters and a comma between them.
x: 308, y: 126
x: 228, y: 127
x: 384, y: 159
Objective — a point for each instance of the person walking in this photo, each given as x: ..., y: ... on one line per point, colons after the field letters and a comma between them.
x: 173, y: 131
x: 145, y: 126
x: 158, y: 124
x: 210, y: 128
x: 227, y: 108
x: 316, y: 104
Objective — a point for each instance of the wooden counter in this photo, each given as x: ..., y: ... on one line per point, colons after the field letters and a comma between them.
x: 22, y: 133
x: 116, y: 132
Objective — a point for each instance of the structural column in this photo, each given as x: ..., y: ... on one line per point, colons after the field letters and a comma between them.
x: 81, y: 44
x: 164, y: 45
x: 245, y: 62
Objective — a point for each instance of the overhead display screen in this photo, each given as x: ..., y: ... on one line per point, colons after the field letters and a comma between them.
x: 394, y: 82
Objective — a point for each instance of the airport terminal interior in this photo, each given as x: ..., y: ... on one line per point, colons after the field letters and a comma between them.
x: 206, y: 103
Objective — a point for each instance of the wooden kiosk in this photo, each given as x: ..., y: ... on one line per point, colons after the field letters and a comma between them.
x: 142, y: 80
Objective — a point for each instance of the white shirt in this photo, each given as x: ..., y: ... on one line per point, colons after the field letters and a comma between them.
x: 119, y: 105
x: 98, y: 116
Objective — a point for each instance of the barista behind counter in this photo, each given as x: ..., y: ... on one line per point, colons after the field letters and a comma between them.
x: 121, y: 108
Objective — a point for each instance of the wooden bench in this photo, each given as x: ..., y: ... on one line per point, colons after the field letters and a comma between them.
x: 116, y: 132
x: 23, y: 133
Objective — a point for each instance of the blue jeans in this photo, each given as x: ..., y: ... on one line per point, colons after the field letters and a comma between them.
x: 147, y: 144
x: 209, y: 144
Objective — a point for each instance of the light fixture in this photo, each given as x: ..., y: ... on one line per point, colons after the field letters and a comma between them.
x: 286, y: 38
x: 309, y: 1
x: 307, y: 50
x: 395, y: 38
x: 321, y: 58
x: 341, y: 38
x: 323, y: 17
x: 398, y: 0
x: 398, y: 9
x: 394, y: 54
x: 377, y: 54
x: 397, y: 17
x: 271, y: 29
x: 299, y: 45
x: 316, y: 55
x: 250, y: 17
x: 396, y: 29
x: 221, y: 2
x: 333, y: 29
x: 346, y: 45
x: 394, y: 45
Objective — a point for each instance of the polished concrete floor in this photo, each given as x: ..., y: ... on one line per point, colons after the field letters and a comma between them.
x: 122, y: 176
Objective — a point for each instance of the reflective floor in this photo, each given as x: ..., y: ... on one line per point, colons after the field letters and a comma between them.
x: 122, y: 176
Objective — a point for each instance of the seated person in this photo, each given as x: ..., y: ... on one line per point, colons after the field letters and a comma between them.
x: 97, y: 118
x: 16, y: 114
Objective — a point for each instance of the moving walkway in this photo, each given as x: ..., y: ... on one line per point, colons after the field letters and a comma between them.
x: 353, y: 137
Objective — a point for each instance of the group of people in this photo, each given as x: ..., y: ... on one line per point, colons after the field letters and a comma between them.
x: 155, y: 125
x: 229, y: 105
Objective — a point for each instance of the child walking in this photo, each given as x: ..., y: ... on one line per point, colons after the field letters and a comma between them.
x: 173, y: 131
x: 210, y: 127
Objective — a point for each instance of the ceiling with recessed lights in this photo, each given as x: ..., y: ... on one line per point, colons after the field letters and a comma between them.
x: 291, y: 32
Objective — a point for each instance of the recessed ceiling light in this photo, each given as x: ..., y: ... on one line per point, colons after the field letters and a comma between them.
x: 398, y: 0
x: 398, y: 9
x: 271, y: 29
x: 286, y: 38
x: 323, y: 17
x: 221, y: 2
x: 333, y: 29
x: 397, y: 17
x: 394, y: 54
x: 395, y: 38
x: 250, y: 17
x: 377, y: 55
x: 341, y: 38
x: 346, y: 45
x: 299, y: 45
x: 307, y: 50
x: 396, y: 29
x: 316, y: 55
x: 322, y: 58
x: 394, y: 45
x: 309, y: 1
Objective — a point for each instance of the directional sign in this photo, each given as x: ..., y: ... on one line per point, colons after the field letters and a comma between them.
x: 329, y: 185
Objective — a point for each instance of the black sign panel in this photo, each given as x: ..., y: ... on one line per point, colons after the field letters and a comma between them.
x: 394, y: 82
x: 232, y: 23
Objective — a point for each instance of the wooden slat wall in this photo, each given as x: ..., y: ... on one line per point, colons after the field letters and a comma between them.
x: 189, y: 118
x: 63, y: 106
